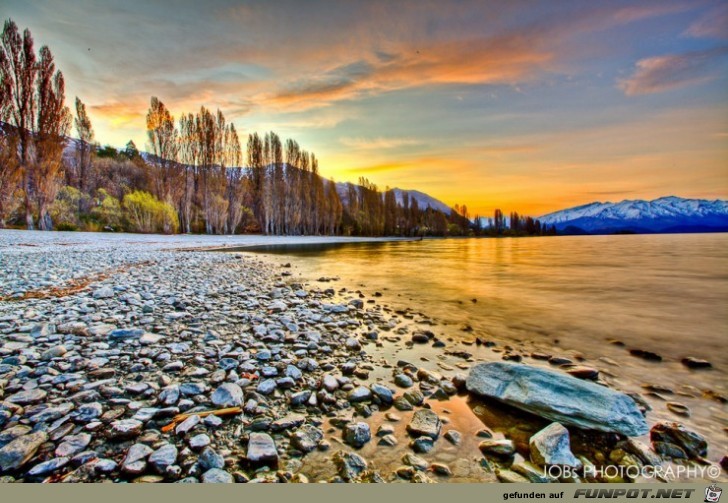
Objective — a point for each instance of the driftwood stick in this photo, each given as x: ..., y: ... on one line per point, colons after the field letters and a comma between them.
x: 230, y: 411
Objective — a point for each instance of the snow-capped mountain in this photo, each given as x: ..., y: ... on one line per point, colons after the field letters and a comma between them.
x: 666, y: 214
x: 423, y: 200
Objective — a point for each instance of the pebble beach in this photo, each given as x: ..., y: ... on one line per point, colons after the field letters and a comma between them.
x: 132, y: 358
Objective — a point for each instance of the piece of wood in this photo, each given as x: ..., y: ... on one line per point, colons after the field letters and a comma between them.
x: 230, y: 411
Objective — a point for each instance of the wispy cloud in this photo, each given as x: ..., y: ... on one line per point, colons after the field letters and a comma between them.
x: 713, y: 24
x: 378, y: 143
x: 663, y: 73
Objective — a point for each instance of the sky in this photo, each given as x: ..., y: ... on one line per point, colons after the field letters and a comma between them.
x: 520, y: 105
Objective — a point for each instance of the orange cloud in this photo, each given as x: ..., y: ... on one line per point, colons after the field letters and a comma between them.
x: 663, y: 73
x: 496, y: 60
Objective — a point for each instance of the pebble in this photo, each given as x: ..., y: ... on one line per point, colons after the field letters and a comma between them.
x: 125, y: 429
x: 261, y: 449
x: 357, y: 434
x: 495, y: 447
x: 696, y: 363
x: 228, y: 395
x: 217, y: 476
x: 199, y: 441
x: 20, y: 450
x: 163, y: 458
x: 187, y: 425
x: 209, y: 458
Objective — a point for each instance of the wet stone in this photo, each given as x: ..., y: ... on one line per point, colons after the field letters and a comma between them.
x: 422, y: 444
x: 357, y: 434
x: 187, y: 425
x: 693, y: 444
x: 349, y: 465
x: 425, y: 423
x: 551, y: 446
x: 360, y: 394
x: 135, y: 462
x: 453, y: 436
x: 403, y: 381
x: 307, y: 438
x: 503, y: 448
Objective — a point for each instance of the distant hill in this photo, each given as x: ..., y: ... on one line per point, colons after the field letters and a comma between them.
x: 664, y: 215
x: 423, y: 200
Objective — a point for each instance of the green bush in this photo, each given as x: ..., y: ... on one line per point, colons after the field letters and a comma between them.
x: 66, y: 227
x: 65, y: 208
x: 147, y: 214
x: 107, y: 211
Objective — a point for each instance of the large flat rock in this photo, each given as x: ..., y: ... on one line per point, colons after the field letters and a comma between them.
x: 557, y: 396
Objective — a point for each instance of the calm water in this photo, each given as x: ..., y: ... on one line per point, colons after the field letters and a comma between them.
x: 564, y: 295
x: 665, y: 293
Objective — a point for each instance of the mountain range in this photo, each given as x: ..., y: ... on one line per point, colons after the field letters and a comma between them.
x: 664, y: 215
x: 423, y: 200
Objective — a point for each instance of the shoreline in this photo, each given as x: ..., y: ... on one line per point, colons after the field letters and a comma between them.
x: 171, y: 332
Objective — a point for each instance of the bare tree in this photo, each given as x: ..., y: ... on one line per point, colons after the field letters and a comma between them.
x: 162, y: 136
x: 85, y: 133
x: 54, y: 121
x: 10, y: 174
x: 18, y: 69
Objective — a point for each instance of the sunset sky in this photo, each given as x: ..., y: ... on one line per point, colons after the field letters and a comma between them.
x: 526, y: 106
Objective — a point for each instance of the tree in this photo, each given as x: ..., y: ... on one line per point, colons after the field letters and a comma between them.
x: 256, y: 173
x: 54, y: 122
x: 498, y: 221
x: 34, y: 105
x: 10, y: 174
x: 85, y: 134
x: 162, y: 137
x: 18, y: 71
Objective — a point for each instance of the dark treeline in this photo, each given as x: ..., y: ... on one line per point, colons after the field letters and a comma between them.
x: 515, y: 226
x: 197, y: 177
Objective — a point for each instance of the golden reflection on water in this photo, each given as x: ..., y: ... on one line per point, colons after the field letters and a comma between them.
x: 566, y: 296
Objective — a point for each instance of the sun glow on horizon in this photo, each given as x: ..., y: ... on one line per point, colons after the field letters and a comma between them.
x: 478, y: 103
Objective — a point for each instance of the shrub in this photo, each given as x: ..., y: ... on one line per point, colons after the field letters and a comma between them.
x: 145, y: 213
x: 64, y: 211
x: 107, y: 211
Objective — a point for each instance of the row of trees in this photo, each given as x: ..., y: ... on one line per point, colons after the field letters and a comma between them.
x: 196, y: 176
x: 516, y: 225
x: 32, y: 101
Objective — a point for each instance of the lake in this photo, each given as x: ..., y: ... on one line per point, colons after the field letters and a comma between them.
x: 591, y: 297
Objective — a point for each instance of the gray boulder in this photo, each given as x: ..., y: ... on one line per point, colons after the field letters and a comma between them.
x: 558, y: 397
x: 551, y: 446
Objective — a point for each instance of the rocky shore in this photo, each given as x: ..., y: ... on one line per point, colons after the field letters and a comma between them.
x: 137, y: 362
